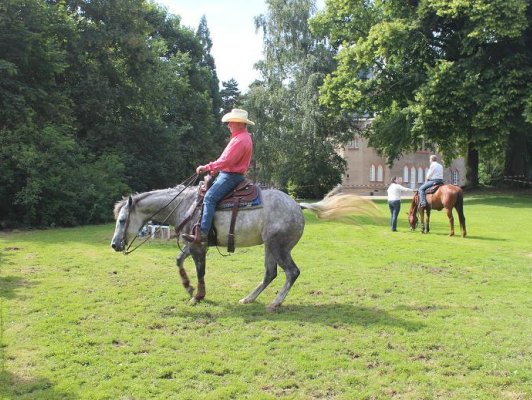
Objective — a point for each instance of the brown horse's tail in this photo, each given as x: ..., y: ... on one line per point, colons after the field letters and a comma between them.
x: 460, y: 209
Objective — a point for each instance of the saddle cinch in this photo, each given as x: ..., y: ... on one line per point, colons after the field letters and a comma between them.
x: 245, y: 194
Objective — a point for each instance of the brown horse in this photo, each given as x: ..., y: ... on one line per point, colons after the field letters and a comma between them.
x: 446, y: 196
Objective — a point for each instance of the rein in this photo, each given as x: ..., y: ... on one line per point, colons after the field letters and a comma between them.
x: 186, y: 183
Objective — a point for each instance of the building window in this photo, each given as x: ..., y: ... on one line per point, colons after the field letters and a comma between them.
x: 372, y: 173
x: 454, y: 177
x: 420, y: 174
x: 426, y: 173
x: 405, y: 174
x: 380, y: 173
x: 354, y: 144
x: 413, y: 175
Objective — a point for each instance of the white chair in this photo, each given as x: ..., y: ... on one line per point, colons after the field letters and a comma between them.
x: 164, y: 229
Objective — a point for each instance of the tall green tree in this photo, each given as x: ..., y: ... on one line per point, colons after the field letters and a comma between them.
x: 295, y: 141
x: 231, y: 96
x: 453, y: 73
x: 98, y: 98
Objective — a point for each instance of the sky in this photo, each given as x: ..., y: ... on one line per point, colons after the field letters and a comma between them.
x: 232, y: 28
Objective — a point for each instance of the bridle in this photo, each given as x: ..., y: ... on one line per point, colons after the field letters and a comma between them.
x: 186, y: 183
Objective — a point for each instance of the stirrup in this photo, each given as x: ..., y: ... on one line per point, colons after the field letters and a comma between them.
x: 188, y: 237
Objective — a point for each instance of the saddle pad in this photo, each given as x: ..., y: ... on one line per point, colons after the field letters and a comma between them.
x: 246, y: 203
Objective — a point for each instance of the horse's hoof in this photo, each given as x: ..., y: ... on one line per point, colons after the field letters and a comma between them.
x: 245, y: 300
x: 272, y: 307
x: 190, y: 291
x: 194, y: 300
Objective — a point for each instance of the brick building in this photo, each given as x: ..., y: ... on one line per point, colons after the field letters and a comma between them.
x: 368, y: 174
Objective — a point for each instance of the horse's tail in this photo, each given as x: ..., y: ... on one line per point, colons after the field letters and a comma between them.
x: 460, y: 209
x: 341, y: 205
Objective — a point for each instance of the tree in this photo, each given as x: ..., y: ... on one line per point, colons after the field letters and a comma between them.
x: 295, y: 141
x: 456, y: 74
x: 231, y: 97
x: 98, y: 99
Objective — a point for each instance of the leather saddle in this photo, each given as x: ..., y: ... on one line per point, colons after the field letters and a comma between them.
x: 244, y: 193
x: 434, y: 188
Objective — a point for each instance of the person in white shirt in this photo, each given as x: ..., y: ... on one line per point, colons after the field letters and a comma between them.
x: 394, y: 201
x: 435, y: 175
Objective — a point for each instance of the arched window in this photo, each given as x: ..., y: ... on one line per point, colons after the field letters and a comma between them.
x: 372, y: 173
x: 380, y: 174
x: 405, y: 174
x: 420, y: 174
x: 413, y: 175
x: 454, y: 180
x: 426, y: 173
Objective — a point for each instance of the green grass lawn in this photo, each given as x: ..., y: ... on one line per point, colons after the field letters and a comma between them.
x: 373, y: 315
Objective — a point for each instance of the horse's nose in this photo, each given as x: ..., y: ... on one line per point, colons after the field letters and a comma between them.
x: 113, y: 245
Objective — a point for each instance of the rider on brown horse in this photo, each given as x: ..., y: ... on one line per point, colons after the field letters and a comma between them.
x: 435, y: 175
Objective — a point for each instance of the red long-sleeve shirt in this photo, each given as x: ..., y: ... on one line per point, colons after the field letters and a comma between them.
x: 236, y: 155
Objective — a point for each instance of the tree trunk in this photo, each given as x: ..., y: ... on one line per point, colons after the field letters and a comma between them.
x: 515, y: 164
x: 472, y: 165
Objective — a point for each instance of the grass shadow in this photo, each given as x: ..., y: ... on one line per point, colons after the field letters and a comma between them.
x: 13, y: 386
x: 9, y: 285
x: 334, y: 315
x: 499, y: 201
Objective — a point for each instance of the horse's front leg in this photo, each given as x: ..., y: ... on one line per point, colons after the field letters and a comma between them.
x: 422, y: 219
x: 199, y: 254
x: 180, y: 260
x: 449, y: 212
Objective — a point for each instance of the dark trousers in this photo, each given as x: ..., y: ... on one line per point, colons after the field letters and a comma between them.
x: 395, y: 207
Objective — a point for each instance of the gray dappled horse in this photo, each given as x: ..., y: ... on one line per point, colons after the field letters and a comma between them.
x: 278, y: 224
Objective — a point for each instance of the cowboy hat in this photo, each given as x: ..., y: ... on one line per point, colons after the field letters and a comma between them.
x: 237, y: 115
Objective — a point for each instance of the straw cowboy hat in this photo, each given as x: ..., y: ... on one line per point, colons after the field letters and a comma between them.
x: 237, y: 115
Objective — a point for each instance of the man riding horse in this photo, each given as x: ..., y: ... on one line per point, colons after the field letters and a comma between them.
x: 230, y: 166
x: 434, y: 176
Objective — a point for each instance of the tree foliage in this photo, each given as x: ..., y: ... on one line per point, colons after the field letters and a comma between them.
x: 457, y: 74
x: 295, y: 141
x: 231, y: 96
x: 98, y: 99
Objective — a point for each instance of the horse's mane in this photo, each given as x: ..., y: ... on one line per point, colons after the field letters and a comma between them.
x: 138, y: 197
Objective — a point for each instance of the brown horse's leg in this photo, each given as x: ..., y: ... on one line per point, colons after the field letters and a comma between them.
x: 184, y: 277
x: 449, y: 212
x: 422, y: 219
x: 428, y: 219
x: 199, y: 255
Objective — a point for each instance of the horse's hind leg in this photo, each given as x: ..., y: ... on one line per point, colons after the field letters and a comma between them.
x: 284, y: 259
x: 428, y: 220
x: 269, y: 275
x: 180, y: 260
x: 449, y: 212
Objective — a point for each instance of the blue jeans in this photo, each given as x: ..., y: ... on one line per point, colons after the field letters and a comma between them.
x: 395, y: 207
x: 223, y: 184
x: 425, y: 186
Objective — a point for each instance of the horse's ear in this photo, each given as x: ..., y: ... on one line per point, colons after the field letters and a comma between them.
x: 130, y: 201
